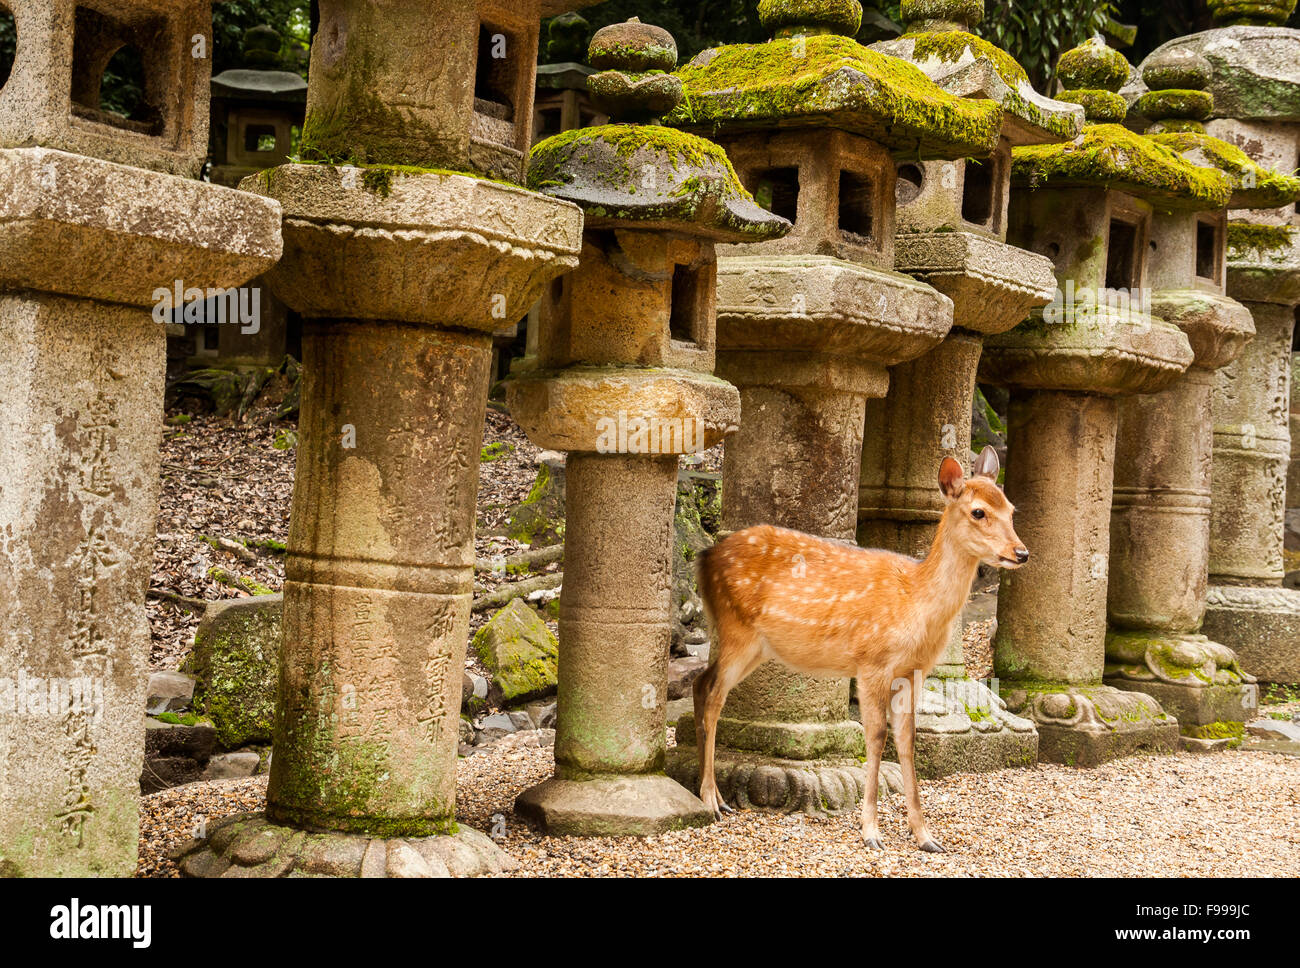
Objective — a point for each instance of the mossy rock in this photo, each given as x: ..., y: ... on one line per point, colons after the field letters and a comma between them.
x: 1177, y: 68
x: 833, y: 81
x: 539, y: 518
x: 1092, y: 66
x: 1111, y: 156
x: 520, y: 652
x: 1159, y: 105
x: 968, y: 13
x: 788, y: 17
x: 1251, y: 12
x: 222, y: 390
x: 1101, y: 107
x: 236, y: 666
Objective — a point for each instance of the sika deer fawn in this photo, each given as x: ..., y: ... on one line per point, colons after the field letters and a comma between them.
x: 828, y: 608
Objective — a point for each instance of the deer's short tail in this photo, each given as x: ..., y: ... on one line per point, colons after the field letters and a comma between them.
x: 706, y: 580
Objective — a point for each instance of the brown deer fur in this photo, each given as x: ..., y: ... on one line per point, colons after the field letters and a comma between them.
x: 827, y: 608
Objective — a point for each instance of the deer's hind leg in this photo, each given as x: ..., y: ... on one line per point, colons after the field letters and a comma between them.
x: 739, y: 652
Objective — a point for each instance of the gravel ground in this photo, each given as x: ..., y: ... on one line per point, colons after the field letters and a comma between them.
x: 1227, y: 814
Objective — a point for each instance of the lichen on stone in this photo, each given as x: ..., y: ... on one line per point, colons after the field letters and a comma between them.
x: 1111, y: 156
x: 832, y: 81
x: 1253, y: 185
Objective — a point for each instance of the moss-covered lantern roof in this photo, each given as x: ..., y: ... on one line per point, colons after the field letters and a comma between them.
x: 640, y: 174
x: 817, y: 77
x: 1177, y: 103
x: 938, y: 40
x: 1107, y: 154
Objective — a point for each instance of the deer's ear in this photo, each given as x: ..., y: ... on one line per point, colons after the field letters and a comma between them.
x: 951, y: 480
x: 987, y: 464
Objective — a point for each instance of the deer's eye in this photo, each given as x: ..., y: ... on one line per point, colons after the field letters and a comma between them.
x: 978, y: 514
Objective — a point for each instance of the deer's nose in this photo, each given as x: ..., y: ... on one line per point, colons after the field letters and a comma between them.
x: 1022, y: 555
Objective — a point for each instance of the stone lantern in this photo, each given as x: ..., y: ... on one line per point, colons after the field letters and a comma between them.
x: 807, y: 329
x: 1160, y: 521
x: 1089, y: 205
x: 402, y: 261
x: 1293, y: 474
x: 99, y: 213
x: 563, y: 101
x: 254, y: 111
x: 625, y: 384
x: 951, y: 228
x: 1255, y: 83
x: 563, y: 104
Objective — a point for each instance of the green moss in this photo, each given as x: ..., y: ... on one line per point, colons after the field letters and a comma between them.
x: 1099, y: 106
x: 683, y: 151
x: 950, y: 46
x: 1254, y: 186
x: 811, y: 16
x: 349, y: 786
x: 520, y: 651
x: 495, y: 451
x: 1251, y: 12
x: 1092, y: 65
x: 1111, y: 156
x: 241, y: 582
x: 235, y: 666
x: 188, y: 719
x: 967, y: 12
x: 539, y: 518
x: 1235, y: 732
x: 834, y: 81
x: 1158, y: 105
x: 1249, y: 236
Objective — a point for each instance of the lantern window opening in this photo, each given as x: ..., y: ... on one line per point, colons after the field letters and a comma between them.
x: 777, y: 190
x: 8, y: 43
x: 911, y: 178
x: 979, y: 189
x: 1208, y: 250
x: 1123, y: 269
x: 260, y: 138
x: 496, y: 73
x: 686, y: 315
x: 114, y: 68
x: 857, y: 204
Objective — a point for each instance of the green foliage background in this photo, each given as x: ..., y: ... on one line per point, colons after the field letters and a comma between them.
x: 1035, y: 32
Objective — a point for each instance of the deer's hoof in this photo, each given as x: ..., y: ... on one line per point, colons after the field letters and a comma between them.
x: 933, y: 847
x: 873, y: 843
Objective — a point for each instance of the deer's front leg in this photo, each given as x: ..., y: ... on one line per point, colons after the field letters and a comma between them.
x: 872, y: 705
x: 904, y: 720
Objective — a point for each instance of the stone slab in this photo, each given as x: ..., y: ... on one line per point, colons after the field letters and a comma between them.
x: 428, y: 247
x: 84, y: 227
x: 619, y: 806
x: 1261, y: 624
